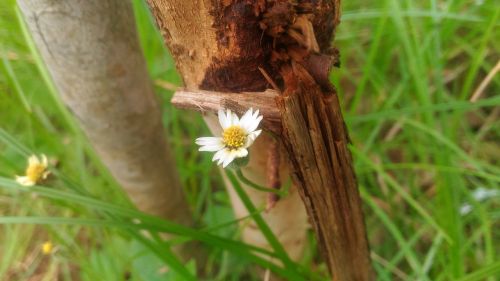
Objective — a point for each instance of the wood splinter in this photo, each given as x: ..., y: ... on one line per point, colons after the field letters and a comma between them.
x: 211, y: 101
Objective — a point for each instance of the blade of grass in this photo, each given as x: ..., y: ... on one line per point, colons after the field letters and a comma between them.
x: 111, y: 223
x: 125, y: 213
x: 157, y: 224
x: 378, y: 13
x: 265, y: 229
x: 479, y: 56
x: 8, y: 140
x: 398, y: 188
x: 166, y: 254
x: 432, y: 167
x: 439, y: 107
x: 491, y: 270
x: 92, y: 203
x: 393, y: 229
x: 429, y: 259
x: 17, y: 86
x: 369, y: 65
x: 451, y: 145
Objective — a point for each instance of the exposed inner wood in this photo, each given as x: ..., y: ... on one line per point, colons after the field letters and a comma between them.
x: 211, y: 102
x: 315, y: 137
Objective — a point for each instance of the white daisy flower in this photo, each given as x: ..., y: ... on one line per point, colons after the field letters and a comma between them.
x: 35, y: 172
x: 237, y: 136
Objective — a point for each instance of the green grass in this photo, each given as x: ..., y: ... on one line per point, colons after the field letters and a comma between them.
x: 421, y: 149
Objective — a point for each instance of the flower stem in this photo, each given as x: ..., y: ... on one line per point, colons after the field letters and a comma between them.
x: 250, y: 183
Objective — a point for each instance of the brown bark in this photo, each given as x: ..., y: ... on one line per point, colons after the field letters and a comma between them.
x: 217, y: 47
x: 290, y: 42
x: 316, y: 140
x: 91, y: 50
x: 315, y: 135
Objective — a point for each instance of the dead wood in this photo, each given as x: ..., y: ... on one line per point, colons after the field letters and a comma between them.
x: 211, y: 102
x: 289, y: 42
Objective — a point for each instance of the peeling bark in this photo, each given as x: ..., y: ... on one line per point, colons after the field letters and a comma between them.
x: 91, y: 50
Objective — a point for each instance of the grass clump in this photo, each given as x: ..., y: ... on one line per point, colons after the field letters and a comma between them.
x: 426, y: 158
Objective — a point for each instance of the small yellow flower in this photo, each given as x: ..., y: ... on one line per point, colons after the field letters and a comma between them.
x: 35, y: 172
x: 47, y: 248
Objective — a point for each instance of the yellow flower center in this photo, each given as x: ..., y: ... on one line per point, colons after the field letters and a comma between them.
x: 234, y: 137
x: 47, y: 248
x: 35, y: 172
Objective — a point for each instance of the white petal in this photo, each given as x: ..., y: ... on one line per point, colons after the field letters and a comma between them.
x: 219, y: 154
x: 222, y: 158
x: 211, y: 147
x: 24, y: 181
x: 251, y: 137
x: 255, y: 134
x: 245, y: 119
x: 229, y: 117
x: 246, y: 122
x: 234, y: 119
x: 208, y: 141
x: 242, y: 152
x: 251, y: 120
x: 33, y: 160
x: 228, y: 159
x: 255, y: 114
x: 45, y: 162
x: 225, y: 154
x: 223, y: 120
x: 255, y: 123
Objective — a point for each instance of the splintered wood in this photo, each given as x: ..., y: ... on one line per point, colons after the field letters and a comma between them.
x: 210, y: 101
x: 314, y: 132
x: 316, y: 140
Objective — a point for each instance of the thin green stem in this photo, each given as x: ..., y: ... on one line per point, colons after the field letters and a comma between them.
x: 264, y: 228
x: 250, y: 183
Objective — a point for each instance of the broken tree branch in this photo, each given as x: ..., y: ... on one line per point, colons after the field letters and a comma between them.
x: 211, y: 101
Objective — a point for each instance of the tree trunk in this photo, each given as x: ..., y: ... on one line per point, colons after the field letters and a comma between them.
x: 218, y: 54
x: 249, y: 46
x: 92, y: 52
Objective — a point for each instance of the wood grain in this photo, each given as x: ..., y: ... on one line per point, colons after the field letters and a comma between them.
x: 210, y: 101
x: 316, y: 140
